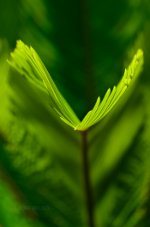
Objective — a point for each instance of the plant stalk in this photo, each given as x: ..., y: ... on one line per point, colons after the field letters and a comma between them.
x: 87, y: 181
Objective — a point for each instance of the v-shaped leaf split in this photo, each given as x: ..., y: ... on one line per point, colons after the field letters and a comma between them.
x: 25, y: 60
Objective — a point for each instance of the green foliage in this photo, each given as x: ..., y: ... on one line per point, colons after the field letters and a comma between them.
x: 11, y: 211
x: 28, y: 63
x: 96, y: 175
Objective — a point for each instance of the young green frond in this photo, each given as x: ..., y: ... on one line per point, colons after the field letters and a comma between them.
x: 101, y: 109
x: 25, y: 60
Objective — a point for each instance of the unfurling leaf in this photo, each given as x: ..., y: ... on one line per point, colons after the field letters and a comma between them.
x: 25, y: 60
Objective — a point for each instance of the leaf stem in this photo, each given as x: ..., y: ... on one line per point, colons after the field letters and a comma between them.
x: 87, y: 181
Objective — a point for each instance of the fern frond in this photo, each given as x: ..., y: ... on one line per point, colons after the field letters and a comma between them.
x: 101, y: 109
x: 28, y: 63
